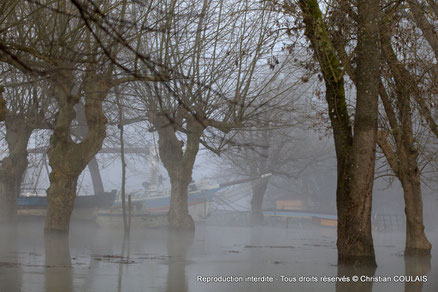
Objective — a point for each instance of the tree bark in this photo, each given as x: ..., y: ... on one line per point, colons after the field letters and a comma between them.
x: 406, y: 166
x: 3, y: 109
x: 354, y: 228
x: 416, y: 240
x: 93, y: 166
x: 355, y: 154
x: 258, y: 193
x: 428, y: 29
x: 178, y: 163
x: 179, y: 217
x: 66, y: 158
x: 13, y: 166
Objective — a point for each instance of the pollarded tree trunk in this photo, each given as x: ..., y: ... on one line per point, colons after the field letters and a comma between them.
x: 93, y: 166
x: 179, y: 217
x: 258, y: 193
x: 67, y: 158
x: 178, y: 163
x: 61, y: 196
x: 13, y: 166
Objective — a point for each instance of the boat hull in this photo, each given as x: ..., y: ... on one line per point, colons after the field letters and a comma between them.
x: 145, y: 218
x: 152, y: 211
x: 85, y: 207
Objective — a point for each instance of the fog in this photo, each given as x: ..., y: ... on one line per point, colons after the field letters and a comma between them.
x: 96, y: 259
x: 218, y: 145
x: 226, y: 252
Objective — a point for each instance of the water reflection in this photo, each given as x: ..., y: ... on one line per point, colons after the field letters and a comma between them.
x: 416, y: 266
x: 157, y: 260
x: 354, y: 274
x: 178, y: 243
x: 58, y: 268
x: 10, y: 268
x: 124, y: 258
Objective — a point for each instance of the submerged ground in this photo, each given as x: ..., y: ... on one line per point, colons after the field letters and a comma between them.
x: 96, y: 259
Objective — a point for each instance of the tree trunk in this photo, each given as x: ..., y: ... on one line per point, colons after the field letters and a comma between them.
x: 405, y: 167
x: 258, y: 193
x: 178, y: 163
x: 179, y: 217
x: 67, y: 158
x: 354, y: 228
x: 355, y: 154
x: 416, y: 240
x: 61, y: 196
x: 427, y: 28
x: 13, y: 166
x: 93, y: 166
x: 404, y: 157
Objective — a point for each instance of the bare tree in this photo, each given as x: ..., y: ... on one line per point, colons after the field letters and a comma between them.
x: 78, y: 61
x: 355, y: 147
x: 215, y: 49
x: 397, y: 89
x: 403, y: 156
x: 23, y: 110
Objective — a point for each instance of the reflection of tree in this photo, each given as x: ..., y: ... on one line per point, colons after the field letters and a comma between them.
x: 124, y: 257
x: 10, y: 271
x: 58, y: 263
x: 350, y: 271
x: 416, y: 266
x: 178, y: 244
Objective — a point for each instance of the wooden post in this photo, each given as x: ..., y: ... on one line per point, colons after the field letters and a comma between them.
x: 129, y: 213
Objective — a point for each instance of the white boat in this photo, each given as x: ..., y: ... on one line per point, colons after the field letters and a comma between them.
x: 151, y: 211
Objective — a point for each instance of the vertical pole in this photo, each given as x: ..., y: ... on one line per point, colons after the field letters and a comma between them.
x: 129, y: 213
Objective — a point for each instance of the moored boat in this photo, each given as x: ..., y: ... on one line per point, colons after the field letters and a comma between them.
x: 85, y: 207
x: 152, y: 211
x: 149, y: 209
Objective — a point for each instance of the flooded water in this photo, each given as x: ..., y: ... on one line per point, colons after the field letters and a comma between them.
x: 215, y: 258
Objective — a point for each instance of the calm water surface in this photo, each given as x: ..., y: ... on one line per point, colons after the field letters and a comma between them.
x: 294, y: 259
